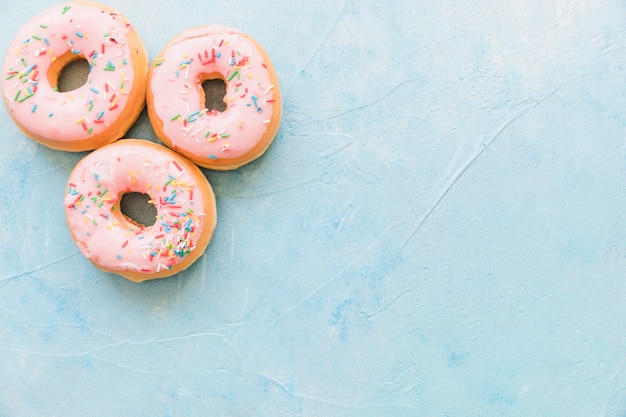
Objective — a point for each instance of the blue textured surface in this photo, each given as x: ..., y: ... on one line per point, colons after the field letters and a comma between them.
x: 438, y: 229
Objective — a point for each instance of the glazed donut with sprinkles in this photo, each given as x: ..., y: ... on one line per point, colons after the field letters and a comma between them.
x: 176, y: 100
x: 100, y: 111
x: 183, y: 198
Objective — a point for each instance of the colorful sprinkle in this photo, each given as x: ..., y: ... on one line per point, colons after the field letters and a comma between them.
x: 233, y: 75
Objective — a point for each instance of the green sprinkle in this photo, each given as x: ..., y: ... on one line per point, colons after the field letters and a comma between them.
x: 90, y: 130
x: 25, y: 98
x: 233, y: 75
x: 65, y: 9
x: 17, y: 95
x: 36, y: 37
x: 175, y: 117
x: 43, y: 26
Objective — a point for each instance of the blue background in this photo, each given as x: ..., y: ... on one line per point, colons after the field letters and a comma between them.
x: 438, y: 229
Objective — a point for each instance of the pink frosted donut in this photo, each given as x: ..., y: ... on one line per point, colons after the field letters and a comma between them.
x: 176, y: 99
x: 100, y: 111
x: 181, y: 194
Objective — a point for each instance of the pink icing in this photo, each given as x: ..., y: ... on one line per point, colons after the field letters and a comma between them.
x: 105, y: 236
x: 175, y: 85
x: 84, y: 30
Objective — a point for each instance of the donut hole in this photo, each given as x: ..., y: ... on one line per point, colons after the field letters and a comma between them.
x: 214, y: 93
x: 70, y: 73
x: 138, y: 208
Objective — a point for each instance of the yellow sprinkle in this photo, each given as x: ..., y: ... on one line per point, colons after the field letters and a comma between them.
x: 79, y: 120
x: 68, y: 95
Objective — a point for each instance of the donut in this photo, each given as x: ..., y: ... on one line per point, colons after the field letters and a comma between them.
x: 100, y: 111
x: 112, y: 241
x: 176, y: 100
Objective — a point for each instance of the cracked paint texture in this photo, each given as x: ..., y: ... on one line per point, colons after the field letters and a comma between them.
x: 438, y: 229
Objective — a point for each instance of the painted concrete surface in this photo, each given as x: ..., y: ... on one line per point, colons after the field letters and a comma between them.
x: 438, y: 229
